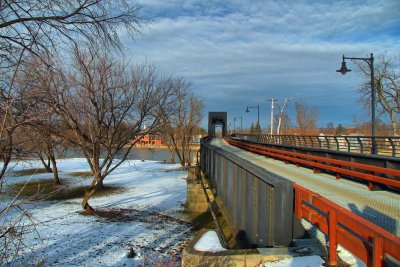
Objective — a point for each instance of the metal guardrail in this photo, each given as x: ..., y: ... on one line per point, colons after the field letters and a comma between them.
x: 370, y: 243
x: 388, y: 146
x: 368, y: 173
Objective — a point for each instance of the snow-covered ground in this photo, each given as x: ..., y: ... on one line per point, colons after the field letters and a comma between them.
x: 144, y: 219
x: 145, y: 216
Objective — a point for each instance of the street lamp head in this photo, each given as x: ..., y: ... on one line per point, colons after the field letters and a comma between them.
x: 343, y: 70
x: 247, y: 109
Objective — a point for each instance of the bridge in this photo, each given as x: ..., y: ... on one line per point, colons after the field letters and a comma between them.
x: 272, y: 188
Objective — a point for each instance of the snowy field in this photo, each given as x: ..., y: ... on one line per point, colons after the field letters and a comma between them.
x: 145, y: 216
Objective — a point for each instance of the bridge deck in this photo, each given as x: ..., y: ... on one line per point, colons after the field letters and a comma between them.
x: 379, y: 207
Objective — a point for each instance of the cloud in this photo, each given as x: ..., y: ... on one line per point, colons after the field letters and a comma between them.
x: 239, y: 53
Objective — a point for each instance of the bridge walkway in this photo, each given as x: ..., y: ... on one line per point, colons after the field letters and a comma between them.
x: 380, y: 207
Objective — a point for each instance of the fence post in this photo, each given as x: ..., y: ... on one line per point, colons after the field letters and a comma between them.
x: 332, y: 220
x: 377, y: 251
x: 337, y: 143
x: 361, y: 144
x: 393, y: 146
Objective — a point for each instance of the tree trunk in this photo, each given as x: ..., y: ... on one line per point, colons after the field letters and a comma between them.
x: 393, y: 121
x: 394, y: 125
x: 99, y: 184
x: 96, y: 184
x: 85, y: 201
x: 278, y: 129
x: 6, y: 161
x: 180, y: 157
x: 171, y: 154
x: 46, y: 165
x: 55, y: 170
x: 7, y: 153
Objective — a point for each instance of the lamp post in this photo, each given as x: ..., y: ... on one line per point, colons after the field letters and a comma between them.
x: 258, y: 112
x: 240, y: 117
x: 370, y: 61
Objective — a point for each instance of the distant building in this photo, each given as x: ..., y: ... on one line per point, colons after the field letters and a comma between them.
x: 149, y: 139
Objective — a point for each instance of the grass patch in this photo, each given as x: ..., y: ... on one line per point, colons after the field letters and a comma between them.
x: 40, y: 188
x: 79, y: 192
x: 47, y: 189
x: 29, y: 172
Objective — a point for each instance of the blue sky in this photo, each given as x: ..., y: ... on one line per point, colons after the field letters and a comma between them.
x: 241, y: 53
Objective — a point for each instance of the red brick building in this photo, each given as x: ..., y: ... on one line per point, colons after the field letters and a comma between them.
x: 149, y: 139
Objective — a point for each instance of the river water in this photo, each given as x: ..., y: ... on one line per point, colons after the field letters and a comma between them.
x: 156, y: 154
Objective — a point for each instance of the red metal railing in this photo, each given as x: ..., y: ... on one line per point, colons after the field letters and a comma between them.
x: 363, y: 172
x: 367, y: 241
x: 362, y: 238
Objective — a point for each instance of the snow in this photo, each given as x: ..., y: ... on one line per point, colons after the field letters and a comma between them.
x: 209, y: 241
x: 305, y: 261
x: 345, y: 255
x: 149, y: 218
x: 349, y: 258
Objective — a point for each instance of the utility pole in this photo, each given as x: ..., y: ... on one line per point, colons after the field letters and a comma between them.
x: 272, y: 113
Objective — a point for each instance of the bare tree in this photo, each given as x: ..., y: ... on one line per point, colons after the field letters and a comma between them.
x: 40, y: 26
x: 43, y: 139
x: 39, y: 29
x: 104, y: 104
x: 182, y: 122
x: 387, y: 87
x: 306, y: 118
x: 19, y: 105
x: 285, y: 123
x: 281, y: 115
x: 39, y: 135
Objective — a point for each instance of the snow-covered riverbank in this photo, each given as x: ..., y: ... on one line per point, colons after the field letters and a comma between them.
x: 146, y: 215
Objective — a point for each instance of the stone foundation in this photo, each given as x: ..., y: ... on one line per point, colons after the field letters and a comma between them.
x: 196, y: 201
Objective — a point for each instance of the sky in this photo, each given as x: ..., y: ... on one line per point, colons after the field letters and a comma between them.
x: 241, y: 53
